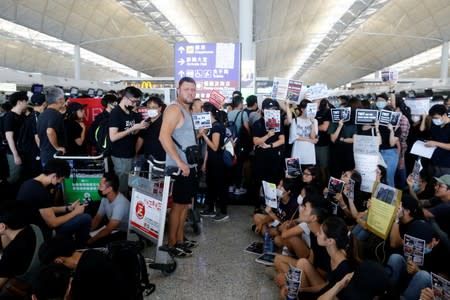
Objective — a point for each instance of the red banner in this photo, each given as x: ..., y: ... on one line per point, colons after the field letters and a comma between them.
x: 93, y: 108
x: 216, y: 99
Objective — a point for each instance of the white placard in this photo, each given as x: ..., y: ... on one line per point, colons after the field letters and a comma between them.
x: 272, y: 120
x: 311, y: 110
x: 317, y: 92
x: 418, y: 106
x: 202, y: 120
x: 365, y: 149
x: 145, y: 213
x: 420, y: 149
x: 270, y: 194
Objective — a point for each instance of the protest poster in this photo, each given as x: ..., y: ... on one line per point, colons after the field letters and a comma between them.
x: 421, y: 150
x: 414, y: 249
x: 338, y: 114
x: 272, y: 120
x: 365, y: 151
x: 311, y: 110
x: 385, y: 117
x: 335, y: 185
x: 418, y: 106
x: 293, y: 91
x: 440, y: 286
x: 216, y: 99
x: 366, y: 116
x: 201, y: 120
x: 384, y: 201
x: 286, y: 89
x: 270, y: 194
x: 389, y: 75
x: 316, y: 92
x: 293, y: 281
x: 293, y: 168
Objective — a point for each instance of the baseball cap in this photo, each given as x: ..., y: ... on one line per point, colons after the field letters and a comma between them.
x: 421, y: 229
x: 74, y: 106
x: 445, y: 179
x: 270, y: 103
x: 37, y: 99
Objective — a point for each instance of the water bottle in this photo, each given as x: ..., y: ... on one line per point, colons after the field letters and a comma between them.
x: 268, y: 243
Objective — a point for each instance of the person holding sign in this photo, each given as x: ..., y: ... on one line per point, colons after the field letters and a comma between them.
x: 440, y: 138
x: 303, y: 135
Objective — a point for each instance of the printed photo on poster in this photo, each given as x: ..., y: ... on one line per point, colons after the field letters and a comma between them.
x: 311, y: 110
x: 387, y: 194
x: 272, y: 119
x: 440, y: 286
x: 202, y: 120
x: 293, y: 167
x: 343, y: 114
x: 414, y: 249
x: 335, y: 185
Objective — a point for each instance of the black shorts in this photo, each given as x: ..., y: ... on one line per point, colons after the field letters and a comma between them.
x: 184, y: 188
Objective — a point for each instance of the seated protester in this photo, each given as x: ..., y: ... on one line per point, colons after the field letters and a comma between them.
x: 313, y: 210
x: 38, y: 207
x: 75, y: 130
x: 422, y: 189
x: 311, y: 176
x: 365, y: 283
x: 19, y: 262
x: 439, y: 215
x: 95, y: 275
x: 333, y: 236
x: 407, y: 278
x: 115, y: 207
x: 408, y: 213
x: 440, y: 138
x: 275, y: 218
x: 52, y: 283
x: 360, y: 232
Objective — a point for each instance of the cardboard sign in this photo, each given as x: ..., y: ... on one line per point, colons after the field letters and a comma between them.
x: 286, y: 89
x: 317, y: 92
x: 418, y: 106
x: 365, y: 151
x: 343, y: 114
x: 366, y: 116
x: 216, y: 99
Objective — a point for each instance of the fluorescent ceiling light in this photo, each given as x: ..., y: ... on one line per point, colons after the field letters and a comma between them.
x: 38, y: 39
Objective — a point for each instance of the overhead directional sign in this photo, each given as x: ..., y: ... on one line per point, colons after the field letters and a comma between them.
x: 214, y: 66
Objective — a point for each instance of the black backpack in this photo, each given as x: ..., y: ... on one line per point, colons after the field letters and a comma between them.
x: 127, y: 257
x: 98, y: 135
x: 231, y: 131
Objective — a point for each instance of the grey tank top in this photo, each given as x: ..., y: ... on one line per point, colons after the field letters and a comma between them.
x: 184, y: 136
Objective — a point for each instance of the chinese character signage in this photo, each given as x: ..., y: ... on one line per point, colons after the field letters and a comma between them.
x: 212, y: 66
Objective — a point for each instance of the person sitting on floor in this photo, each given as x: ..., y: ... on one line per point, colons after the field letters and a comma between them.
x: 115, y: 207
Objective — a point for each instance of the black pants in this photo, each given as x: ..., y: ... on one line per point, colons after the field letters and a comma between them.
x: 216, y: 193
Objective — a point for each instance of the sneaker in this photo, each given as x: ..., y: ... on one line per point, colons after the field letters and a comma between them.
x: 179, y: 251
x: 220, y: 217
x: 207, y: 213
x: 189, y: 243
x: 240, y: 191
x: 231, y: 189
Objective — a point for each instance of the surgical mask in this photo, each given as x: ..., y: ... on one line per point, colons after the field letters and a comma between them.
x: 415, y: 118
x: 279, y: 193
x: 338, y: 104
x: 380, y: 104
x: 437, y: 122
x: 300, y: 199
x: 416, y: 187
x: 152, y: 113
x: 428, y: 250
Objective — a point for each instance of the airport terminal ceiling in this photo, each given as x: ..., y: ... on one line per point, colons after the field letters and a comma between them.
x: 327, y: 41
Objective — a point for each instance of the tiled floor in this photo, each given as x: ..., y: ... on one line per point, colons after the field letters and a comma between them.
x: 219, y: 268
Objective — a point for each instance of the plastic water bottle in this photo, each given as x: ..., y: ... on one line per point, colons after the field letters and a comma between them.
x: 268, y: 243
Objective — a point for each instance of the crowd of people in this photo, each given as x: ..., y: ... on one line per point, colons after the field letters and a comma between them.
x: 324, y: 234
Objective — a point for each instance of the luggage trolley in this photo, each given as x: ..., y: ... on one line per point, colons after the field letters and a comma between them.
x: 86, y: 173
x: 148, y: 209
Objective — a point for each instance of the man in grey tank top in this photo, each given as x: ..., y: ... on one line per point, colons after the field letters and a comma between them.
x: 177, y: 124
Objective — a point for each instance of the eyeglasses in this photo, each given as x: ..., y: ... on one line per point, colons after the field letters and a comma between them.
x: 440, y: 185
x: 132, y: 99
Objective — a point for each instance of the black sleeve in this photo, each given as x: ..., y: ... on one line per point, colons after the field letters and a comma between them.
x: 73, y: 130
x: 258, y: 128
x: 114, y: 119
x: 8, y: 122
x: 55, y: 122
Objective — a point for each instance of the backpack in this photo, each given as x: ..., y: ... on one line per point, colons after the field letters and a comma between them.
x: 231, y: 131
x: 98, y: 135
x: 244, y: 141
x: 127, y: 257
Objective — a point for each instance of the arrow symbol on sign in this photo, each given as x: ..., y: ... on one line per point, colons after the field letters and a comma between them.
x: 181, y: 49
x: 181, y: 73
x: 181, y: 61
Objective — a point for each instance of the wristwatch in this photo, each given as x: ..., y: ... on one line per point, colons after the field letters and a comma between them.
x: 341, y: 139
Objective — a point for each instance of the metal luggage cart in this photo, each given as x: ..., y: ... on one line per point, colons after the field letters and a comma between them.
x: 86, y: 173
x: 148, y: 209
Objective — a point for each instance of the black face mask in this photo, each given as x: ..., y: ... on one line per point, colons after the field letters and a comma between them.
x: 101, y: 194
x: 129, y: 107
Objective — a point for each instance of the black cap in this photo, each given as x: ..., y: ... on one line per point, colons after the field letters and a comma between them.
x: 270, y: 103
x: 421, y: 229
x: 74, y: 106
x: 37, y: 99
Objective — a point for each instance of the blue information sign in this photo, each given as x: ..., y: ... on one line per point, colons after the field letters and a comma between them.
x: 214, y: 66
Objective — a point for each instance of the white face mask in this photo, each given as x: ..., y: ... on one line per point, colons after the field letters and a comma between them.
x: 437, y: 122
x: 415, y: 118
x: 300, y: 199
x: 152, y: 113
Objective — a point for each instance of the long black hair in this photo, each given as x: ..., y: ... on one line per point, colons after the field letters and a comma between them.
x: 208, y: 107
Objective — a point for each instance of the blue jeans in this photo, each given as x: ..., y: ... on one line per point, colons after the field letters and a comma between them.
x: 390, y: 157
x: 397, y: 272
x: 80, y: 226
x: 122, y: 168
x: 360, y: 233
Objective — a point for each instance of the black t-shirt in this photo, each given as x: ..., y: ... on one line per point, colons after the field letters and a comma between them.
x: 385, y: 133
x: 125, y: 147
x: 152, y: 145
x: 34, y: 196
x: 50, y: 118
x: 96, y: 278
x: 13, y: 122
x: 440, y: 156
x: 216, y: 157
x: 259, y: 130
x: 73, y: 132
x: 17, y: 255
x: 337, y: 274
x: 324, y: 137
x: 29, y: 127
x: 321, y: 258
x: 286, y: 211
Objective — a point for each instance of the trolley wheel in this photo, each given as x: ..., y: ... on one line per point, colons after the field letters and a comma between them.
x: 170, y: 268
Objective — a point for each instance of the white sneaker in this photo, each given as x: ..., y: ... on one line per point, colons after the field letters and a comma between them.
x: 240, y: 191
x: 231, y: 189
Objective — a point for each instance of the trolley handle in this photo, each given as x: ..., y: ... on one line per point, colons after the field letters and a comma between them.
x: 60, y: 155
x: 175, y: 171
